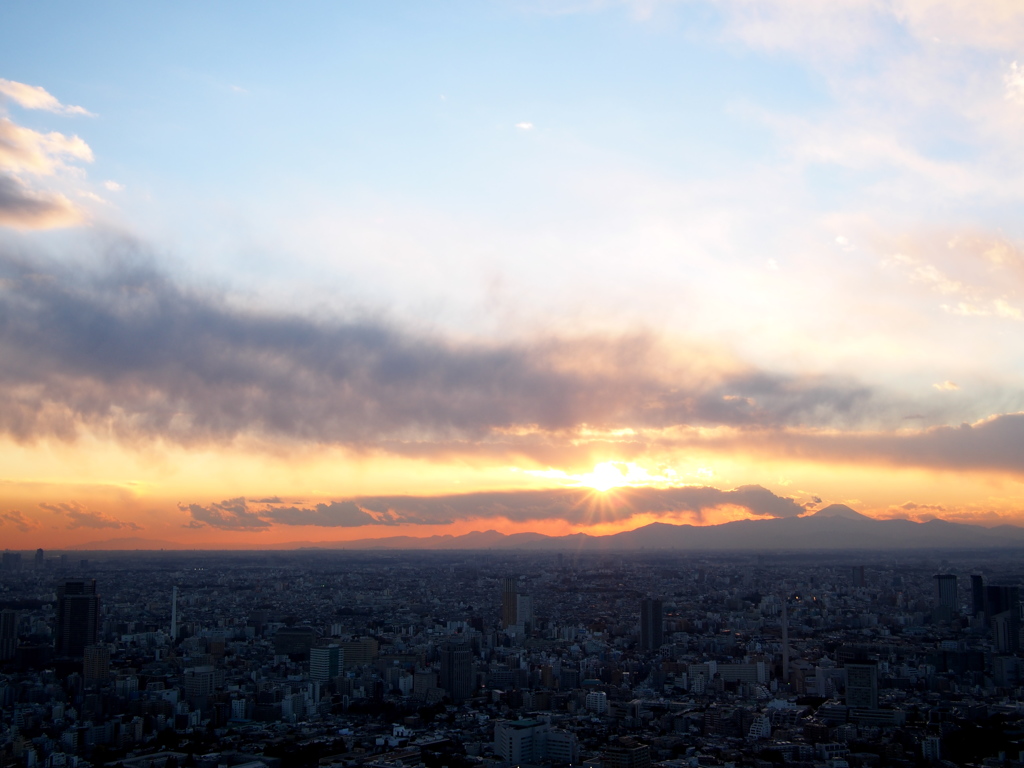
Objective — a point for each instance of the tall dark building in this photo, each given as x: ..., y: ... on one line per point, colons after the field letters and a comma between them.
x: 78, y: 615
x: 1002, y: 610
x: 857, y: 576
x: 8, y: 634
x: 945, y: 591
x: 999, y: 599
x: 862, y: 685
x: 457, y: 671
x: 294, y: 642
x: 509, y: 602
x: 977, y: 594
x: 40, y: 559
x: 651, y: 620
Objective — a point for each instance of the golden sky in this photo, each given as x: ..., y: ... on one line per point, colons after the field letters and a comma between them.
x: 551, y: 267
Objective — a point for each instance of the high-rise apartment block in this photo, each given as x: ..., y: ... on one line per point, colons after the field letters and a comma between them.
x: 945, y: 591
x: 326, y: 662
x: 509, y: 602
x: 862, y: 686
x: 457, y: 671
x: 8, y: 634
x: 78, y: 615
x: 95, y: 664
x: 977, y: 594
x: 651, y: 624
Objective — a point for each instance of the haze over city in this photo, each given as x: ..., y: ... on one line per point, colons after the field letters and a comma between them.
x: 296, y: 276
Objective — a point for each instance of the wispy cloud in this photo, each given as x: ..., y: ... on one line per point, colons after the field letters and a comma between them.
x: 80, y: 516
x: 17, y: 519
x: 23, y: 150
x: 35, y: 97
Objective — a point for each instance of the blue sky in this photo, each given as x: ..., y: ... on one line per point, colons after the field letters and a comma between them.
x: 776, y: 205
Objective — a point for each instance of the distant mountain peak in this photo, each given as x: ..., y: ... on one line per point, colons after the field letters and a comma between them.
x: 840, y: 510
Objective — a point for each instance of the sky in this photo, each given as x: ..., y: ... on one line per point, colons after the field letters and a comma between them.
x: 330, y: 271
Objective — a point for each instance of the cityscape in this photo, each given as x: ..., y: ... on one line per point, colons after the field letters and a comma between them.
x: 393, y: 659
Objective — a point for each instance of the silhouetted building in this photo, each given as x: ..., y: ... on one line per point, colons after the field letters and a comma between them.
x: 95, y: 664
x: 509, y: 602
x: 1000, y: 598
x: 325, y: 663
x: 1002, y: 610
x: 78, y: 612
x: 862, y: 686
x: 457, y: 671
x: 977, y: 594
x: 524, y: 612
x: 11, y: 562
x: 40, y: 559
x: 945, y: 591
x: 356, y: 653
x: 651, y: 621
x: 857, y: 577
x: 8, y: 634
x: 294, y: 642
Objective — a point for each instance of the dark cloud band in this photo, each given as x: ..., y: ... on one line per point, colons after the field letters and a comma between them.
x: 578, y: 506
x: 127, y: 350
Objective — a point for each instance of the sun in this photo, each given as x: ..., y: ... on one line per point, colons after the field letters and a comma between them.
x: 606, y: 475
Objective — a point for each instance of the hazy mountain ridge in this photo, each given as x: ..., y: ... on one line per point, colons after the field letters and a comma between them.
x: 833, y: 527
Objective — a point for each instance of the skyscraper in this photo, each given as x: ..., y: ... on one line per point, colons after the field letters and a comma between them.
x: 651, y: 620
x: 977, y: 594
x: 858, y: 576
x: 78, y: 613
x: 40, y: 559
x: 457, y: 671
x: 509, y: 602
x: 8, y: 634
x: 524, y: 611
x: 1002, y: 610
x: 945, y: 591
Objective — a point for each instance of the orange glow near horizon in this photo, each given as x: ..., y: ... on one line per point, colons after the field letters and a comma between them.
x: 63, y: 494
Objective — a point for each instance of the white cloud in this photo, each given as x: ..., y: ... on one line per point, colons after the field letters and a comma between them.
x: 928, y: 274
x: 35, y: 97
x: 524, y: 126
x: 1014, y: 81
x: 994, y: 308
x: 113, y: 186
x: 946, y: 386
x: 23, y: 150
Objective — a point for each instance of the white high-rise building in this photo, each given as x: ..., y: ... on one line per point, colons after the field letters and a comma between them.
x: 597, y: 702
x: 521, y: 742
